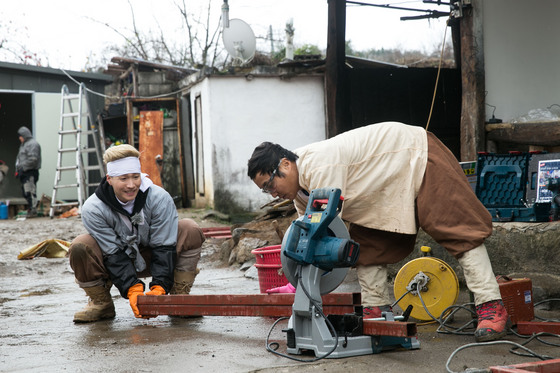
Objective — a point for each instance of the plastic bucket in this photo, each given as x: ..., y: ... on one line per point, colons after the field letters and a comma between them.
x: 3, y: 211
x: 269, y: 267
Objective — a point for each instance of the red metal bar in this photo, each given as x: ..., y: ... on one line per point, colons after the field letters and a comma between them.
x: 269, y: 305
x: 214, y: 229
x: 546, y: 366
x: 217, y: 232
x: 390, y: 328
x: 530, y: 327
x: 239, y: 304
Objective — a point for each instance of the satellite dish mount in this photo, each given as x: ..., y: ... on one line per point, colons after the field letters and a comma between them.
x: 239, y: 41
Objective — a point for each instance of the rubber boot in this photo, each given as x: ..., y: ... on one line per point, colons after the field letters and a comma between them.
x: 100, y: 305
x: 183, y: 281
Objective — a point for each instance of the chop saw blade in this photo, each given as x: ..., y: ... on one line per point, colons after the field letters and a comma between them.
x: 329, y: 280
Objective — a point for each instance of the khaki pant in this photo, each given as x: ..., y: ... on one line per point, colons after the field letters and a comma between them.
x: 29, y: 191
x: 89, y: 269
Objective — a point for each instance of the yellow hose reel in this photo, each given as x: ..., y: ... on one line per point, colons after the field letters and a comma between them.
x: 437, y: 283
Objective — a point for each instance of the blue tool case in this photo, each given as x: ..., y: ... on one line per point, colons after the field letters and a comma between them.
x: 502, y: 186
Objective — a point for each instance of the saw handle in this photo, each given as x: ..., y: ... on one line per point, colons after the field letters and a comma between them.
x: 320, y: 198
x: 323, y: 201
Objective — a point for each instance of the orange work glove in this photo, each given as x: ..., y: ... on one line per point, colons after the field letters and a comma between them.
x: 133, y: 292
x: 156, y: 290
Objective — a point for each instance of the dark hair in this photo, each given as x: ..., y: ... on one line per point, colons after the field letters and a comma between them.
x: 265, y: 159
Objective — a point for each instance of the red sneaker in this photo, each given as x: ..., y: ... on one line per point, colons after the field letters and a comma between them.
x: 493, y: 321
x: 375, y: 311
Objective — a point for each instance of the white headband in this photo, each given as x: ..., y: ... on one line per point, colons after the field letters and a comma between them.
x: 123, y: 166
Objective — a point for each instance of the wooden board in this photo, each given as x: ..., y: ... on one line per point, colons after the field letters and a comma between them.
x: 150, y: 143
x: 537, y: 133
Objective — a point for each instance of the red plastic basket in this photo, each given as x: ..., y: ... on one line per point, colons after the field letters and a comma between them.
x: 269, y: 267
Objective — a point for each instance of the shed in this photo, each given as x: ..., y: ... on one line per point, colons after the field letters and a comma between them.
x: 232, y: 113
x: 147, y: 94
x: 31, y: 96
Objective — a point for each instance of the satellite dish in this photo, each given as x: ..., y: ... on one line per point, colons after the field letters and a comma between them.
x: 240, y: 41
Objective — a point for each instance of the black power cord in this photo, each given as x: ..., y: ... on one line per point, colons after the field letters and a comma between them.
x: 273, y: 346
x: 448, y: 313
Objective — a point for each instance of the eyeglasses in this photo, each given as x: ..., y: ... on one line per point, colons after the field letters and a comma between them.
x: 267, y: 187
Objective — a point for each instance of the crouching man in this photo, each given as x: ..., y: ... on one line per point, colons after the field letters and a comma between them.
x: 133, y: 232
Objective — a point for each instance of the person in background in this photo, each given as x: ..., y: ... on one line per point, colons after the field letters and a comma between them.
x: 28, y: 163
x: 395, y: 178
x: 133, y: 232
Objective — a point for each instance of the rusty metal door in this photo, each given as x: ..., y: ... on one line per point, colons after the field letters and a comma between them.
x: 150, y: 143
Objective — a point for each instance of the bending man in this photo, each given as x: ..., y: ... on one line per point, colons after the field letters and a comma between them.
x: 395, y: 179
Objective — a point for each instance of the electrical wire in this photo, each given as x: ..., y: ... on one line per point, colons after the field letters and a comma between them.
x: 438, y: 72
x: 470, y: 345
x: 537, y: 337
x: 120, y: 97
x: 401, y: 297
x: 446, y: 315
x: 87, y: 89
x: 270, y: 345
x: 546, y: 301
x: 449, y: 312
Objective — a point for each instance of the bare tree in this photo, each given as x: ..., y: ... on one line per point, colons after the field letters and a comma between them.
x: 12, y: 50
x: 200, y: 49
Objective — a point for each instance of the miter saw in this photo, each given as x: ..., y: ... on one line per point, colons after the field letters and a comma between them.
x: 317, y: 253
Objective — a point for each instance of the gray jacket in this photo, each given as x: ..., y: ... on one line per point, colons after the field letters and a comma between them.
x: 29, y: 154
x: 113, y: 231
x: 156, y: 229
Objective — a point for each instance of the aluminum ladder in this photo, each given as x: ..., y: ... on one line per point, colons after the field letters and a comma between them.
x: 76, y: 132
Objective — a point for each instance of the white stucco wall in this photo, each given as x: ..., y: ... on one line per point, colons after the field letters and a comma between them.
x: 46, y: 119
x: 521, y: 56
x: 241, y: 113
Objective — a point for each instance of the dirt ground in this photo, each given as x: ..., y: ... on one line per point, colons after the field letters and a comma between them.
x: 38, y: 298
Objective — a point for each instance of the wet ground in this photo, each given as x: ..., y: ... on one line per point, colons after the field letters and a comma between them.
x: 38, y: 298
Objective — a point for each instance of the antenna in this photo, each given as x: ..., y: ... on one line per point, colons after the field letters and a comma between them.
x: 240, y: 41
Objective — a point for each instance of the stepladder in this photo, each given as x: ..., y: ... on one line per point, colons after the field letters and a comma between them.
x: 79, y: 163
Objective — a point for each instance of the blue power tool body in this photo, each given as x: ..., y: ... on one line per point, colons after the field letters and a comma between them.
x: 309, y: 241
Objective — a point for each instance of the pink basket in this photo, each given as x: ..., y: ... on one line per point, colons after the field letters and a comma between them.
x: 269, y: 267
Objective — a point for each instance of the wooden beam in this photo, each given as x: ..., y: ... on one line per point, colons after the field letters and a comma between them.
x: 472, y: 80
x: 335, y: 67
x: 539, y: 133
x: 184, y: 200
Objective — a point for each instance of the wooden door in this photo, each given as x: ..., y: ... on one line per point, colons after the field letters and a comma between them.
x: 150, y: 143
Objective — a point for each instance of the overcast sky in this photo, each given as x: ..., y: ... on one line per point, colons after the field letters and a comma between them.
x: 66, y: 32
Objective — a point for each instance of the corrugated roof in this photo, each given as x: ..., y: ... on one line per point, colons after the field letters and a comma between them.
x: 54, y: 71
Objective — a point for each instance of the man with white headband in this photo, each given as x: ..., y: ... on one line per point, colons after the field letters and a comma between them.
x: 133, y: 232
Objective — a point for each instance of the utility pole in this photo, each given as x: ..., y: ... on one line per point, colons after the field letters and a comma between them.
x: 335, y: 73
